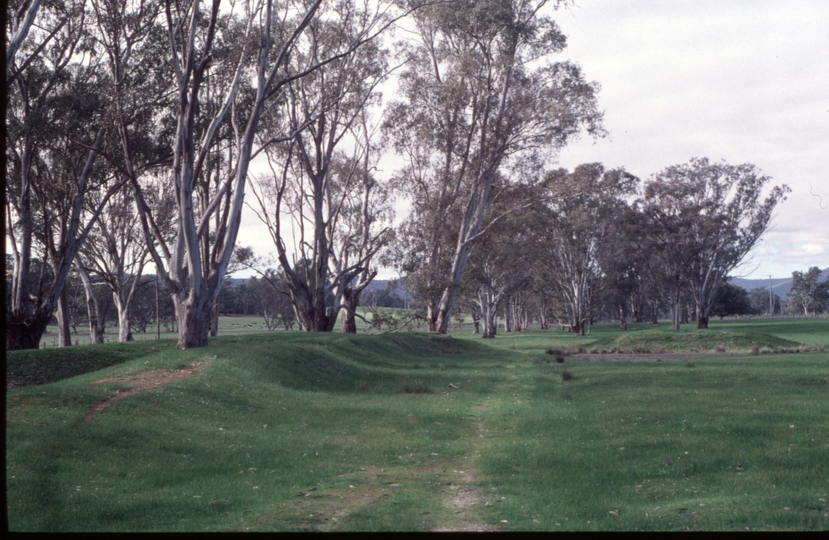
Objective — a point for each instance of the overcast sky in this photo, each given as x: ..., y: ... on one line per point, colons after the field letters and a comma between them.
x: 746, y: 81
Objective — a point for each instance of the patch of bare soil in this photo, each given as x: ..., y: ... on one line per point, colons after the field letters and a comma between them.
x: 652, y: 357
x: 140, y: 382
x: 463, y: 500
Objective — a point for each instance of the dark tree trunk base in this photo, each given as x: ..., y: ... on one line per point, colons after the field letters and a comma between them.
x: 21, y: 335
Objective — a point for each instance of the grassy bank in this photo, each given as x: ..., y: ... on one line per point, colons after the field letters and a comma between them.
x: 291, y: 431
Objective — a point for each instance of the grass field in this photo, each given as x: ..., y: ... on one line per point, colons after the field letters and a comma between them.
x: 290, y: 431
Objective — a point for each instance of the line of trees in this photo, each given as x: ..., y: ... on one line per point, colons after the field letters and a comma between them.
x: 132, y: 126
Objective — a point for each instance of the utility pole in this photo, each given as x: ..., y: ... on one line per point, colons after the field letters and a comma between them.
x: 771, y: 301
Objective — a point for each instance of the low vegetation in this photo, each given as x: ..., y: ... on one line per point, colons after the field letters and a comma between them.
x: 291, y: 431
x: 664, y: 340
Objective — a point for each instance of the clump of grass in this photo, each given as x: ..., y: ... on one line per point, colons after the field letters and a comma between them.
x: 362, y: 386
x: 542, y: 360
x: 690, y: 364
x: 755, y: 350
x: 552, y: 351
x: 720, y: 348
x: 659, y: 349
x: 416, y: 387
x: 566, y: 376
x: 559, y: 359
x: 578, y: 348
x: 766, y: 350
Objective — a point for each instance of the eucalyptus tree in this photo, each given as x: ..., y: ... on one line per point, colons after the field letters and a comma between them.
x: 762, y: 302
x: 338, y: 209
x: 703, y: 219
x: 480, y: 97
x: 54, y: 116
x: 585, y: 210
x: 116, y: 252
x: 808, y: 294
x: 203, y: 40
x: 362, y: 229
x: 271, y: 299
x: 500, y: 267
x: 20, y: 15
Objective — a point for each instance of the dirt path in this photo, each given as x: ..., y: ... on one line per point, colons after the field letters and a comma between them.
x: 464, y: 499
x: 140, y: 382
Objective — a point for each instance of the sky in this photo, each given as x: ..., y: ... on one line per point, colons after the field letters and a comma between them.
x: 745, y: 81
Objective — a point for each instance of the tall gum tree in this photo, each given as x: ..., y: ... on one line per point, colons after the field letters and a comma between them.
x: 261, y: 54
x: 717, y: 214
x: 582, y: 232
x: 478, y: 98
x: 334, y: 201
x: 53, y: 118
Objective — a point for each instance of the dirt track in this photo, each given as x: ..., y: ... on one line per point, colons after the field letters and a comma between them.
x: 140, y: 382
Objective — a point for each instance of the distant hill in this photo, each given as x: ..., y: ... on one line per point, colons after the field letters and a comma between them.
x: 780, y: 286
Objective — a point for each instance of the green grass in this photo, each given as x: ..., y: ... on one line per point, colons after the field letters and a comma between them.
x: 291, y: 431
x: 691, y: 340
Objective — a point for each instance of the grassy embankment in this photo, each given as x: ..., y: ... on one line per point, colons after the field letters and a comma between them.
x: 290, y: 431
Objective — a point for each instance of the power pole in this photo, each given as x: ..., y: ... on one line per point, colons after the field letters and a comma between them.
x: 771, y: 301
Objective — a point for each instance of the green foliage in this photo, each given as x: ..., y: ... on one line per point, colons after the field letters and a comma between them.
x: 808, y: 295
x: 732, y: 300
